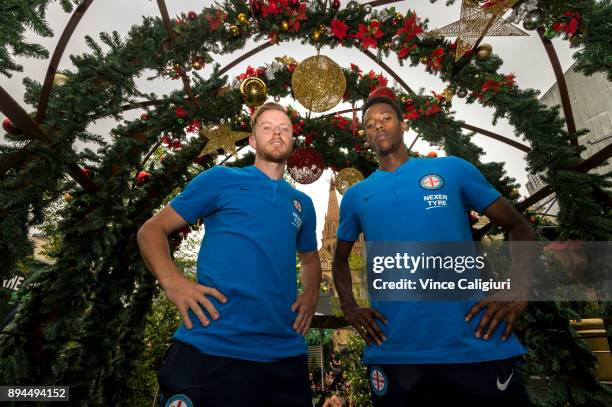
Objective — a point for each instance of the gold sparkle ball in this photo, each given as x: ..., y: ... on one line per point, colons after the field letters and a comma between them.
x: 253, y: 91
x: 197, y: 63
x: 234, y: 31
x: 346, y: 178
x: 284, y: 26
x: 242, y: 18
x: 424, y: 60
x: 361, y: 133
x: 316, y: 36
x: 484, y: 51
x: 318, y: 83
x: 59, y: 79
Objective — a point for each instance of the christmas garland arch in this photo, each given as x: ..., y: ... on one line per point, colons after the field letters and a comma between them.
x: 85, y: 314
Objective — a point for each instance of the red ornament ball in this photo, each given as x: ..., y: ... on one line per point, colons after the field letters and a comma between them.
x: 192, y: 15
x: 382, y: 91
x: 9, y: 127
x: 144, y: 117
x: 335, y: 4
x: 305, y: 165
x: 432, y: 154
x: 142, y: 177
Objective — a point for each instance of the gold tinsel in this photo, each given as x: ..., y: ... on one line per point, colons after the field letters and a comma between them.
x: 346, y: 178
x: 318, y: 83
x: 253, y: 91
x: 285, y: 60
x: 476, y: 22
x: 221, y: 137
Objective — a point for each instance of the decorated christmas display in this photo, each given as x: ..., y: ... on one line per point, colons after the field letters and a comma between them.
x: 83, y: 317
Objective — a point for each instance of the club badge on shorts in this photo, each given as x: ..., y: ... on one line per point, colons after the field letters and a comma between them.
x: 378, y: 381
x: 179, y: 400
x: 431, y: 181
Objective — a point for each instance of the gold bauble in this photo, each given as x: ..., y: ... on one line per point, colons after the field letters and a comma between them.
x: 253, y: 91
x: 424, y: 60
x: 68, y: 198
x: 316, y: 36
x: 322, y: 28
x: 346, y: 178
x: 197, y: 63
x: 361, y: 133
x: 399, y: 16
x: 234, y: 31
x: 242, y: 18
x: 484, y: 51
x: 318, y: 83
x: 284, y: 26
x: 386, y: 45
x: 59, y: 79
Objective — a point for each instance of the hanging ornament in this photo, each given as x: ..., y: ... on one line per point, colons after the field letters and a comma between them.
x: 68, y: 198
x: 396, y: 43
x: 242, y: 18
x: 234, y: 31
x: 316, y: 35
x: 361, y: 133
x: 227, y: 27
x: 346, y: 178
x: 520, y: 11
x: 10, y: 128
x: 335, y: 4
x: 483, y: 52
x: 144, y: 116
x: 476, y: 22
x: 186, y: 67
x: 277, y: 98
x: 59, y: 79
x: 192, y: 15
x: 367, y: 8
x: 253, y: 91
x: 352, y: 6
x: 305, y: 165
x: 432, y: 154
x: 461, y: 93
x: 197, y: 63
x: 253, y: 26
x: 424, y: 60
x: 533, y: 20
x: 318, y: 83
x: 221, y: 137
x: 331, y: 141
x: 515, y: 194
x: 284, y: 26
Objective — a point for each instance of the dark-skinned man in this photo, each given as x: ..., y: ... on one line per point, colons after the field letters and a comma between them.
x: 428, y: 352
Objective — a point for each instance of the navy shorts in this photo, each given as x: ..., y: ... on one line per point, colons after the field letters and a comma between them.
x: 190, y: 378
x: 493, y: 383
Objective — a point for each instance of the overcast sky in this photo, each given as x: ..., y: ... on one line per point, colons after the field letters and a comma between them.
x: 523, y: 56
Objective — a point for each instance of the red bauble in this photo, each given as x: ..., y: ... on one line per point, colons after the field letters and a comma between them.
x: 180, y: 112
x: 432, y: 154
x: 335, y: 4
x: 142, y: 177
x: 473, y: 218
x: 192, y: 15
x: 9, y: 127
x: 382, y: 91
x: 305, y: 165
x: 144, y: 117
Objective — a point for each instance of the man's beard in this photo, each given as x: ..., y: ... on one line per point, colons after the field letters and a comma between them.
x: 277, y: 156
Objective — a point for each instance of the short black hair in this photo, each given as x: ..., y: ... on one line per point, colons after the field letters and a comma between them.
x: 381, y: 99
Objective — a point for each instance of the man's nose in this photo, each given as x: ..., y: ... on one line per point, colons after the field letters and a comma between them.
x: 378, y: 124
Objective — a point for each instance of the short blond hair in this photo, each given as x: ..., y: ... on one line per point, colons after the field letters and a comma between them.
x: 264, y: 108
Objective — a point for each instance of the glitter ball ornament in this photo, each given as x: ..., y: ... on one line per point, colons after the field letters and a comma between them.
x: 346, y: 178
x: 318, y: 83
x: 305, y: 165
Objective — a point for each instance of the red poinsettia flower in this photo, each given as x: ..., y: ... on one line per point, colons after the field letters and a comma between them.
x: 435, y: 59
x: 339, y: 121
x: 273, y: 7
x: 557, y: 26
x: 250, y: 71
x: 294, y: 21
x: 339, y: 29
x: 369, y: 35
x: 433, y: 109
x: 180, y: 112
x: 215, y: 20
x: 412, y: 26
x: 194, y: 126
x: 382, y: 81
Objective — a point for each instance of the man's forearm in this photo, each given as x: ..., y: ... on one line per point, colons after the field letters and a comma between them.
x: 153, y: 245
x: 523, y: 257
x: 311, y: 275
x: 343, y: 283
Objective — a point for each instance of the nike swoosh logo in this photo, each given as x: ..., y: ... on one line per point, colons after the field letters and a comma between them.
x: 243, y: 189
x: 367, y: 197
x: 503, y: 386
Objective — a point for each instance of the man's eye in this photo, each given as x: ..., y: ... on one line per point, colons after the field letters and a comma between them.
x: 267, y: 128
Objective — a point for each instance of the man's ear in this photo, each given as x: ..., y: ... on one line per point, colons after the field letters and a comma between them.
x: 252, y: 142
x: 403, y: 126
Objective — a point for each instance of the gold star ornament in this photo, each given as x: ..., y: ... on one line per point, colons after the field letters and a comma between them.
x: 478, y: 21
x: 221, y: 137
